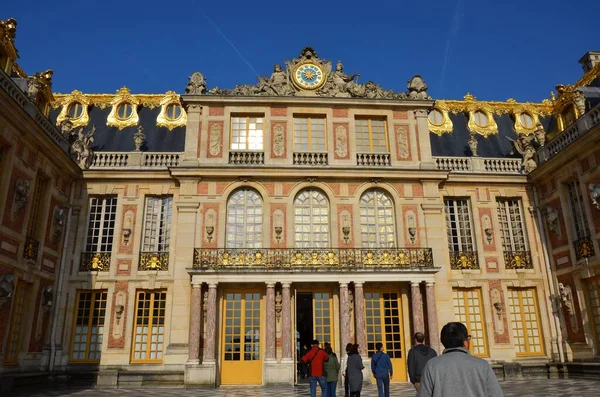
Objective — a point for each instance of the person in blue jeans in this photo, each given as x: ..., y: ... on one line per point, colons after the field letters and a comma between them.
x: 316, y: 358
x: 381, y: 367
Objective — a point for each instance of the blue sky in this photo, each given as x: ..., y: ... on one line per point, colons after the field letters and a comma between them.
x: 493, y: 49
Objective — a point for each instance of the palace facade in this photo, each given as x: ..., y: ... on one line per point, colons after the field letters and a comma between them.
x: 211, y: 234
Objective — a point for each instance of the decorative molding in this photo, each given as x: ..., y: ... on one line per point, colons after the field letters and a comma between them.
x: 74, y: 98
x: 163, y: 120
x: 123, y: 98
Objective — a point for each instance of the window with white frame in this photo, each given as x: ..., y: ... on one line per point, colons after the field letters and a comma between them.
x: 101, y: 224
x: 378, y: 229
x: 459, y: 228
x: 512, y: 226
x: 311, y: 224
x: 579, y: 219
x: 157, y: 224
x: 244, y: 220
x: 247, y: 133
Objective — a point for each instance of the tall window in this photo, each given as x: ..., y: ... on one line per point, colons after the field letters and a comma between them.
x: 90, y: 312
x: 246, y: 133
x: 309, y: 134
x: 311, y: 226
x: 101, y: 225
x: 525, y: 320
x: 468, y: 309
x: 458, y: 225
x: 157, y: 224
x: 512, y: 228
x: 371, y: 136
x: 377, y: 220
x: 15, y: 333
x: 149, y: 326
x: 34, y: 227
x: 244, y: 220
x: 577, y: 210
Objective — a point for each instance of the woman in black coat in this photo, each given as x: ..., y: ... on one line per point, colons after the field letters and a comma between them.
x: 354, y: 371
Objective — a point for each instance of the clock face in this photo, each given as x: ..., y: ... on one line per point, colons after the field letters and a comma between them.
x: 309, y: 76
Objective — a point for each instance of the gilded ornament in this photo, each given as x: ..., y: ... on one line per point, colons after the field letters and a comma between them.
x: 73, y: 99
x: 446, y: 125
x: 121, y: 102
x: 164, y: 119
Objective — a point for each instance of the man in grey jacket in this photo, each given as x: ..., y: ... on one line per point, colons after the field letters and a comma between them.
x: 456, y: 373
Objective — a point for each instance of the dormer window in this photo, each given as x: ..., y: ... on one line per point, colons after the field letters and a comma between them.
x: 436, y: 117
x: 173, y: 112
x: 481, y: 119
x: 124, y: 111
x: 75, y: 110
x: 526, y: 120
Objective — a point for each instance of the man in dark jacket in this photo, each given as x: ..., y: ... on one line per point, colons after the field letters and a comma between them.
x: 417, y: 358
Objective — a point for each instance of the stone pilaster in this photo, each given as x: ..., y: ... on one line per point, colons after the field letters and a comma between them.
x: 432, y: 324
x: 359, y: 315
x: 286, y: 322
x: 417, y: 307
x: 195, y: 321
x: 270, y: 334
x: 211, y: 324
x: 344, y: 317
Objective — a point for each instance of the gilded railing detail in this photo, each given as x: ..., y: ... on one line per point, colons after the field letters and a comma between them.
x: 222, y: 258
x: 518, y: 260
x: 460, y: 260
x: 154, y: 261
x: 94, y: 262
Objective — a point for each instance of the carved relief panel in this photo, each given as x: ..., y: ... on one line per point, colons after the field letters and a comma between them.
x: 341, y: 143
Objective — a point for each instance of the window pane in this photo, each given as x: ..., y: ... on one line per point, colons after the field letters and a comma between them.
x: 377, y: 220
x: 311, y: 211
x: 244, y: 220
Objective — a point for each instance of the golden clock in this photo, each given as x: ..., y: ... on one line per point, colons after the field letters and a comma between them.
x: 309, y: 76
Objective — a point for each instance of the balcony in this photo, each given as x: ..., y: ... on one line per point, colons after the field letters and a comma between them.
x: 518, y: 260
x: 293, y: 259
x: 246, y: 158
x: 310, y: 158
x: 584, y: 248
x: 150, y: 261
x: 479, y: 164
x: 154, y: 160
x: 373, y: 159
x: 461, y: 260
x: 32, y: 248
x: 94, y: 262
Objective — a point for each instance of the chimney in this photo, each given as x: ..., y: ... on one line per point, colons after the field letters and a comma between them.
x: 589, y: 60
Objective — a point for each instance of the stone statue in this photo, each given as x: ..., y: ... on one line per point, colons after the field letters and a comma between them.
x: 595, y: 194
x: 58, y: 223
x: 552, y: 220
x: 278, y: 83
x: 34, y: 86
x: 66, y: 127
x: 81, y: 150
x: 579, y: 101
x: 417, y: 89
x: 343, y: 84
x: 524, y: 145
x: 21, y: 196
x: 473, y: 144
x: 540, y: 134
x: 196, y: 84
x: 215, y: 140
x: 138, y: 138
x: 7, y: 286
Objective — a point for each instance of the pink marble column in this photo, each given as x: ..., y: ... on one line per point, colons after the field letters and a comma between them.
x: 432, y: 324
x: 211, y: 324
x: 344, y: 317
x: 359, y: 315
x: 195, y: 321
x: 270, y: 334
x: 286, y: 322
x: 417, y: 307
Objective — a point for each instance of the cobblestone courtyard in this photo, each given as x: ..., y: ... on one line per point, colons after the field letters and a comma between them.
x: 529, y: 387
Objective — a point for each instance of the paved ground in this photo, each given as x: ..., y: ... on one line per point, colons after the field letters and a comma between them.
x: 530, y: 387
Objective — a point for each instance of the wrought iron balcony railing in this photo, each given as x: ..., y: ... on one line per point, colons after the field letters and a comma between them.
x: 94, y: 262
x: 584, y: 248
x: 460, y: 260
x: 32, y: 248
x: 518, y: 260
x: 154, y: 261
x: 293, y: 258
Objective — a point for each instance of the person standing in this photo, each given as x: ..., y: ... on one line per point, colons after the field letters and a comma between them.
x: 456, y: 372
x: 381, y: 367
x: 417, y: 358
x: 354, y: 371
x: 344, y: 367
x: 332, y: 370
x: 316, y: 358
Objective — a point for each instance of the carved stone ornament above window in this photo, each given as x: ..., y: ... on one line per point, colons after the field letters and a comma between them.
x: 124, y: 110
x: 171, y: 112
x: 75, y: 107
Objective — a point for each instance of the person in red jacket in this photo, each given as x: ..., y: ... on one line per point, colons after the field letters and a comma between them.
x: 315, y: 358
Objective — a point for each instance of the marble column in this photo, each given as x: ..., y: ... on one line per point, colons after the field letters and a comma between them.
x: 195, y: 321
x: 417, y: 307
x: 270, y: 334
x: 286, y: 322
x: 432, y: 324
x: 359, y: 315
x: 344, y: 317
x: 211, y: 324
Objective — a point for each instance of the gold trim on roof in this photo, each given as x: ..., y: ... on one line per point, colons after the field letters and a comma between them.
x: 69, y: 100
x: 170, y: 98
x: 123, y: 97
x: 590, y: 76
x: 446, y: 127
x: 8, y: 30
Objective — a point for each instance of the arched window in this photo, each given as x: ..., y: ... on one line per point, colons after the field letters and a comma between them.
x: 378, y: 229
x: 244, y: 220
x: 311, y: 227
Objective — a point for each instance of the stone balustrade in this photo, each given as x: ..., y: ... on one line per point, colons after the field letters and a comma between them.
x: 373, y: 159
x: 246, y: 158
x: 479, y: 164
x: 310, y: 158
x: 135, y: 159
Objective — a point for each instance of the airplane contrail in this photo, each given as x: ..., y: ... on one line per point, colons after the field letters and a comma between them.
x: 452, y: 35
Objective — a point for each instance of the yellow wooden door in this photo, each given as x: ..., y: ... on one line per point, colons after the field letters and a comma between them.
x: 241, y: 339
x: 383, y: 315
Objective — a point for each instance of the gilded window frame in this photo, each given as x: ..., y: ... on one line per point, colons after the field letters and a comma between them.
x: 162, y: 120
x: 123, y: 96
x: 74, y: 97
